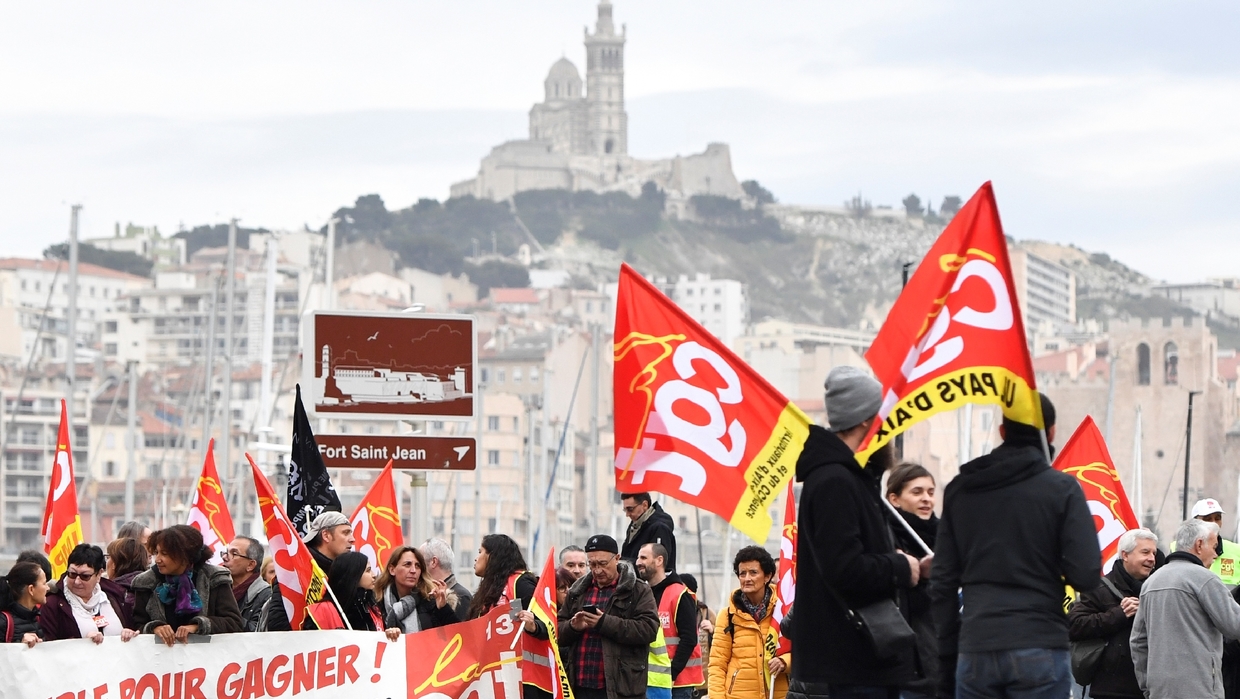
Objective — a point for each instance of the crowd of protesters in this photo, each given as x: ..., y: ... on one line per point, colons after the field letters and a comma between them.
x: 893, y: 602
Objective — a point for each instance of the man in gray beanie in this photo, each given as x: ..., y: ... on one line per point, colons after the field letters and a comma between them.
x: 846, y: 556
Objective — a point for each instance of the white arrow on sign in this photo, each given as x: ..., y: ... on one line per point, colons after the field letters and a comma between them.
x: 460, y: 452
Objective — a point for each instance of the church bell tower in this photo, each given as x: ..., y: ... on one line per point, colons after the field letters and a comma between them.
x: 607, y: 122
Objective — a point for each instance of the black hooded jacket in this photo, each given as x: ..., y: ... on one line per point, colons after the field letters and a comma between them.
x: 843, y: 543
x: 657, y: 529
x: 273, y: 617
x: 1013, y: 532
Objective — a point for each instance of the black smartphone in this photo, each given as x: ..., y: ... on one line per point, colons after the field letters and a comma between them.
x: 590, y: 609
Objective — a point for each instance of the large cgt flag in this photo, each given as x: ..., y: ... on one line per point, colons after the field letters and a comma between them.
x: 301, y: 580
x: 955, y: 334
x: 1086, y: 457
x: 541, y: 664
x: 376, y: 522
x: 208, y: 513
x: 786, y: 579
x: 694, y: 421
x: 62, y: 525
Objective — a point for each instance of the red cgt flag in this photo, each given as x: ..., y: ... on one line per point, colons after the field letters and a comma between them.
x: 541, y: 664
x: 62, y: 525
x: 376, y: 522
x: 301, y: 580
x: 694, y: 421
x: 786, y: 580
x: 208, y: 513
x: 1086, y: 457
x: 955, y: 334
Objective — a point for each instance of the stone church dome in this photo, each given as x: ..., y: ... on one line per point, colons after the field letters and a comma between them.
x: 563, y: 82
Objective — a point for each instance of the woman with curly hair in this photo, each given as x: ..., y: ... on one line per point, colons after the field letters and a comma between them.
x: 351, y: 587
x: 182, y: 594
x: 411, y: 600
x: 504, y: 574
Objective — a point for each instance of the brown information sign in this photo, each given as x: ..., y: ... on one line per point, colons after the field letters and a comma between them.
x: 407, y: 452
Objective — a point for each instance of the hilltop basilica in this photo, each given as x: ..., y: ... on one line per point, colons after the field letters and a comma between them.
x: 579, y: 138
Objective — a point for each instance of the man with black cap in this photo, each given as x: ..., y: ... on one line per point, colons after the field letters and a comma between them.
x: 327, y: 536
x: 846, y: 555
x: 606, y: 626
x: 1013, y: 531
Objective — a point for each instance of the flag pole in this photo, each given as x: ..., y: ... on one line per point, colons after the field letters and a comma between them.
x: 907, y: 527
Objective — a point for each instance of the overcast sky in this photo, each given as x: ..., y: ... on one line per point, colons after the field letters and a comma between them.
x: 1110, y: 125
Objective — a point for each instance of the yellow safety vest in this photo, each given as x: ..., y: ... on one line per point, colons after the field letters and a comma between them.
x: 1227, y: 566
x: 659, y: 669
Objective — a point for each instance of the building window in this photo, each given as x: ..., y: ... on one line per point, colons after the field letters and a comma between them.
x: 1171, y: 364
x: 109, y: 468
x: 499, y: 376
x: 493, y: 423
x: 533, y: 374
x: 516, y: 374
x: 493, y: 457
x: 1143, y: 364
x: 109, y: 326
x: 485, y: 375
x: 110, y: 349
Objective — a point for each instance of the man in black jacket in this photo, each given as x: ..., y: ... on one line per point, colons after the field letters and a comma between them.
x: 1013, y: 531
x: 329, y: 535
x: 845, y: 550
x: 1101, y: 613
x: 650, y: 525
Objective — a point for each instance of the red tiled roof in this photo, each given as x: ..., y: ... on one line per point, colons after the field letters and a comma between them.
x: 514, y: 296
x: 84, y: 268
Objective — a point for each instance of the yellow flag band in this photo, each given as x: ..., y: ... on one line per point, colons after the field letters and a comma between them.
x: 769, y: 472
x: 69, y: 538
x: 984, y: 384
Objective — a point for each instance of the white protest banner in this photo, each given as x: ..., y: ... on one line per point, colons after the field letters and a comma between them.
x: 480, y: 656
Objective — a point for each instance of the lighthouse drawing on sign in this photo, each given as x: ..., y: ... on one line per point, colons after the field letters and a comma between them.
x: 360, y: 384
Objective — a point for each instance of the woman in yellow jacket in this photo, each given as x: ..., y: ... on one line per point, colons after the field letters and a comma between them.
x: 743, y: 658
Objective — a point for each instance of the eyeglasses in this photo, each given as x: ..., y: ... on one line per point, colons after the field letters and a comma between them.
x: 234, y: 553
x: 630, y: 509
x: 74, y: 575
x: 595, y: 565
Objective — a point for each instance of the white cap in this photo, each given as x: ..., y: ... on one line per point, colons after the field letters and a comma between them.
x: 1205, y: 507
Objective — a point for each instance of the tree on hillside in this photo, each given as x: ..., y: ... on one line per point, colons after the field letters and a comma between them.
x: 912, y: 205
x: 216, y: 236
x: 951, y: 204
x: 119, y: 260
x: 760, y: 194
x: 497, y: 274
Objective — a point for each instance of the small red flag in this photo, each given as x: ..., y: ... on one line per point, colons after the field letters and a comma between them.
x: 541, y: 664
x: 208, y: 513
x: 62, y: 525
x: 786, y: 582
x: 376, y: 522
x: 1086, y: 457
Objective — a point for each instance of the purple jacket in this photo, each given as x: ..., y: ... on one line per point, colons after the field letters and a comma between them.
x: 56, y: 615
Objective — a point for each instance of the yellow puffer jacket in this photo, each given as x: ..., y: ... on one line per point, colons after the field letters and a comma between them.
x: 739, y: 655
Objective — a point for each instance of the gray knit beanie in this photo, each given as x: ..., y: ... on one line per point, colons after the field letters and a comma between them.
x: 853, y: 397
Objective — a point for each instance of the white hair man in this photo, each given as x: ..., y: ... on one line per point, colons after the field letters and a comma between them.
x: 1184, y: 614
x: 1107, y: 612
x: 439, y: 557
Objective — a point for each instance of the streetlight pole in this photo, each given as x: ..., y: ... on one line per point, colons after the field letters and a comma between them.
x: 1188, y: 451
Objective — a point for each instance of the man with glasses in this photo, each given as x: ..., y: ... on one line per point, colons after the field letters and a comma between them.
x: 606, y: 626
x: 244, y: 558
x: 649, y: 525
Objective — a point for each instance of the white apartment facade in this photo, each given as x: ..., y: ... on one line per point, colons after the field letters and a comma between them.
x: 720, y: 305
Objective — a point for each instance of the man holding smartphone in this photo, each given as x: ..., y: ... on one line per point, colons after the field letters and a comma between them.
x: 606, y: 626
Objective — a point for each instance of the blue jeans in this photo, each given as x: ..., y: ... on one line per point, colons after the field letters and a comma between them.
x: 1025, y: 673
x: 682, y: 692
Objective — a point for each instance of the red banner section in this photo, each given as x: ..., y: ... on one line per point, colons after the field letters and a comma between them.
x: 955, y: 334
x: 786, y: 581
x: 475, y: 659
x: 1086, y: 457
x: 301, y: 579
x: 693, y: 420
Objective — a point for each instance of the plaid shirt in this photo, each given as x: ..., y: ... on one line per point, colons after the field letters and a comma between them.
x: 589, y: 653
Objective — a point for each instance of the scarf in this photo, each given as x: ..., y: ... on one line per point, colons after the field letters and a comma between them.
x: 757, y: 611
x: 84, y: 613
x: 180, y: 590
x: 637, y: 524
x: 927, y: 529
x: 1133, y: 583
x: 240, y: 591
x: 401, y: 613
